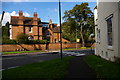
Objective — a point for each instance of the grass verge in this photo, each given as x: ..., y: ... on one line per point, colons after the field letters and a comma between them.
x: 48, y: 70
x: 77, y: 48
x: 104, y: 69
x: 19, y: 52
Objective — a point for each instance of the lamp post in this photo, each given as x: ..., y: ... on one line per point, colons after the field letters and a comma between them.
x: 76, y: 34
x: 2, y: 19
x: 60, y: 31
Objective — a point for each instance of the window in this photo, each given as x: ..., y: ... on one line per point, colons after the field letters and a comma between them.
x: 98, y: 35
x: 44, y: 25
x: 30, y: 29
x: 109, y: 31
x: 55, y: 40
x: 30, y: 38
x: 48, y: 34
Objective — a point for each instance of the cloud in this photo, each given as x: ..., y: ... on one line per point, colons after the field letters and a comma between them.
x: 7, y: 17
x: 48, y: 8
x: 55, y: 10
x: 35, y: 9
x: 26, y: 14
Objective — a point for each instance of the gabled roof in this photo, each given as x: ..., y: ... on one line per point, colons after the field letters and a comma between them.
x: 56, y: 30
x: 95, y: 7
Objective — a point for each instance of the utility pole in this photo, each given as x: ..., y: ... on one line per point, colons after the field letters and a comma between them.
x: 60, y: 31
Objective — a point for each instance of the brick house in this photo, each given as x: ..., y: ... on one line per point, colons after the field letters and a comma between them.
x: 33, y: 27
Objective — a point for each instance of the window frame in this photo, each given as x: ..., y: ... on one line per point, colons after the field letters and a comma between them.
x: 108, y: 44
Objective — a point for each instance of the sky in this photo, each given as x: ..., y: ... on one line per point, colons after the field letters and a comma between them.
x: 45, y: 10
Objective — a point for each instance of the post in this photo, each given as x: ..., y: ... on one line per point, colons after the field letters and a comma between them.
x: 2, y: 19
x: 76, y: 34
x: 60, y: 31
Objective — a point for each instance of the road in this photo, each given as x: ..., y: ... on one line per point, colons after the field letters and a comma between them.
x: 19, y: 60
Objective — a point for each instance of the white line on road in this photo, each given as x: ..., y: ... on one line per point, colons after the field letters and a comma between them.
x: 9, y: 68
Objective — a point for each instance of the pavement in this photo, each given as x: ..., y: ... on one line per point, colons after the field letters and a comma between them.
x: 78, y: 69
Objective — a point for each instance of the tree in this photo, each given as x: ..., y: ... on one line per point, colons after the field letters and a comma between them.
x: 83, y: 20
x: 5, y: 31
x: 22, y: 38
x: 67, y: 31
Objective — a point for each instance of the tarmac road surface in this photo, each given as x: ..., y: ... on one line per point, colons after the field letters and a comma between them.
x: 19, y: 60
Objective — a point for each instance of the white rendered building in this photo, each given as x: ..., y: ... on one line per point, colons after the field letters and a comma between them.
x: 107, y: 29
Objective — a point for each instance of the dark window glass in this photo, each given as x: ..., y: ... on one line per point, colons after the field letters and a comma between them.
x: 109, y: 31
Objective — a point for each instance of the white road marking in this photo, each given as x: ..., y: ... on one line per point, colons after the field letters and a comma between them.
x: 9, y: 68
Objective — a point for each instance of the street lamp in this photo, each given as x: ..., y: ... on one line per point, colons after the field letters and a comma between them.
x: 76, y: 34
x: 2, y: 19
x: 60, y: 30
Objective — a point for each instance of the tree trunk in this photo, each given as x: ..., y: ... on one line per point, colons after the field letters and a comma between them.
x: 83, y: 43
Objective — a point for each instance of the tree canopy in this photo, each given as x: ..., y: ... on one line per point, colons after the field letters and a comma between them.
x: 80, y: 21
x: 5, y: 31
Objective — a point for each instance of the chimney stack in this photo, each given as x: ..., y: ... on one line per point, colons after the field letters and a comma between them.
x: 50, y: 24
x: 20, y: 18
x: 50, y: 21
x: 20, y: 13
x: 35, y: 14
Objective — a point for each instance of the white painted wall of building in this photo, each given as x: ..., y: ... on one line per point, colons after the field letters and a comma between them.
x: 119, y: 31
x: 104, y: 9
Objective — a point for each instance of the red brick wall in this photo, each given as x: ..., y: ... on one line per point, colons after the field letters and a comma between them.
x: 30, y: 47
x: 52, y: 46
x: 14, y: 47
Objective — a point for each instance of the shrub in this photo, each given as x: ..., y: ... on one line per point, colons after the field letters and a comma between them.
x: 22, y: 38
x: 37, y: 42
x: 8, y: 41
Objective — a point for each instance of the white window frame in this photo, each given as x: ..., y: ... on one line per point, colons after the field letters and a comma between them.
x: 109, y: 17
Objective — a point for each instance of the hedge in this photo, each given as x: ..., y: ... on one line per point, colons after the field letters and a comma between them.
x: 8, y: 41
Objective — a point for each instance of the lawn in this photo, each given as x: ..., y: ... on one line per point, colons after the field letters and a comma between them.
x: 47, y: 70
x: 19, y: 52
x: 104, y: 69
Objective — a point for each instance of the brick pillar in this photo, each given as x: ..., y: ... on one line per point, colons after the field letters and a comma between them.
x: 40, y: 33
x: 35, y: 27
x: 51, y: 39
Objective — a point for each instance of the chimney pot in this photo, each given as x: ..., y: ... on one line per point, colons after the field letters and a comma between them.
x: 35, y: 14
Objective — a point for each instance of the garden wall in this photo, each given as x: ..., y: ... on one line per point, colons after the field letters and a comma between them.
x: 51, y: 46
